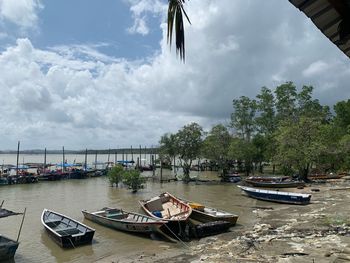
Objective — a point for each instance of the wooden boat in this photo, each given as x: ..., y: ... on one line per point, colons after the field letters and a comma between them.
x: 126, y: 221
x: 206, y: 214
x: 325, y: 176
x: 8, y: 248
x: 167, y: 207
x: 273, y: 182
x: 277, y: 196
x: 66, y: 231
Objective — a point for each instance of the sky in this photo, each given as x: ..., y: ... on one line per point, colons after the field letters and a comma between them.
x: 99, y: 74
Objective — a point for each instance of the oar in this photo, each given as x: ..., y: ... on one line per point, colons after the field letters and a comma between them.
x: 20, y: 229
x: 2, y: 203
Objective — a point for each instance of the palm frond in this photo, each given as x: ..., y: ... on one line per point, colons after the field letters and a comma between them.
x: 175, y: 18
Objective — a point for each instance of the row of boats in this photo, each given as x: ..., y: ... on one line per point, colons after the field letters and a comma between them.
x: 165, y: 215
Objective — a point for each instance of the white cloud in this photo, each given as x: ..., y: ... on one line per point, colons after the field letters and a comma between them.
x: 20, y: 12
x: 139, y: 9
x: 316, y: 68
x: 78, y: 96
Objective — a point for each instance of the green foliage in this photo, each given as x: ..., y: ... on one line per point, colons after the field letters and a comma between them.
x: 299, y: 145
x: 242, y: 119
x: 189, y: 143
x: 244, y: 151
x: 133, y: 179
x: 168, y: 147
x: 216, y: 145
x: 115, y: 174
x: 342, y: 118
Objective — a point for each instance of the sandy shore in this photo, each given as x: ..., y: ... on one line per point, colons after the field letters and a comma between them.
x: 318, y: 232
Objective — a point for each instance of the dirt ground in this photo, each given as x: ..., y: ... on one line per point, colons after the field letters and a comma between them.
x: 318, y: 232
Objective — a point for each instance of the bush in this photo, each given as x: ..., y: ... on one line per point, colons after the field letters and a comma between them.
x: 115, y: 174
x: 133, y: 180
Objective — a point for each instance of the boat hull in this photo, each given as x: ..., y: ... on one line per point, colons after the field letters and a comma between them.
x: 272, y: 184
x: 279, y: 197
x: 206, y: 217
x: 136, y: 227
x: 8, y: 248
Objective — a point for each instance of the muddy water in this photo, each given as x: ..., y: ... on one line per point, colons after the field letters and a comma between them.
x: 71, y: 196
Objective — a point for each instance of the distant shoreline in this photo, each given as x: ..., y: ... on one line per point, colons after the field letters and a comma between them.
x: 104, y: 151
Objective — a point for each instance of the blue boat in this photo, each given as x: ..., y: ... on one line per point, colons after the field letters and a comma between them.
x: 277, y: 196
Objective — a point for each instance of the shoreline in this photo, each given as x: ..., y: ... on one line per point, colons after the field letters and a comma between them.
x: 318, y: 232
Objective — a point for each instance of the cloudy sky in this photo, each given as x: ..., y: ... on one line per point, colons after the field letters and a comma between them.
x: 99, y: 74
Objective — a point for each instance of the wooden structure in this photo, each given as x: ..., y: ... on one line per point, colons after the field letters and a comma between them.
x: 332, y: 17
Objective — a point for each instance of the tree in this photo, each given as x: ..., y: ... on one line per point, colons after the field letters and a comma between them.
x: 342, y: 118
x: 266, y: 119
x: 133, y: 179
x: 115, y: 174
x: 168, y: 147
x: 286, y: 96
x: 175, y: 18
x: 243, y: 150
x: 242, y: 119
x: 216, y: 146
x: 189, y: 143
x: 299, y: 145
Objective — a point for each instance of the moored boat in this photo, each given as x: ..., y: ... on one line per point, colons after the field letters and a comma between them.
x: 273, y: 182
x: 126, y: 221
x: 167, y: 207
x: 66, y: 231
x: 325, y: 176
x: 8, y: 248
x: 206, y: 214
x: 277, y: 196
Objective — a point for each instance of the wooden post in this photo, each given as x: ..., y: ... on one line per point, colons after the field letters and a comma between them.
x: 95, y: 160
x: 115, y: 157
x: 109, y: 153
x: 145, y: 156
x: 161, y: 171
x: 140, y: 155
x: 132, y: 154
x: 138, y: 163
x: 123, y: 155
x: 17, y: 158
x: 85, y: 164
x: 45, y: 161
x: 20, y: 228
x: 63, y: 160
x: 153, y: 166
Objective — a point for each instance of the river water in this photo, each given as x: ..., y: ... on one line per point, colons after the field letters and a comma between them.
x: 69, y: 197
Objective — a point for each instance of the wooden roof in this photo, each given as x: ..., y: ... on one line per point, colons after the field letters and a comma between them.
x: 326, y: 15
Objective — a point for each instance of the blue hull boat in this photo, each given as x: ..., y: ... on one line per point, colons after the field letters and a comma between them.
x: 277, y: 196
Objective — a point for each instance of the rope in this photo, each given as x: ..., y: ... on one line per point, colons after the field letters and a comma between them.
x: 183, y: 243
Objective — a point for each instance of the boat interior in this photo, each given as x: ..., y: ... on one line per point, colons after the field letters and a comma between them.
x: 164, y: 206
x: 119, y: 214
x: 63, y: 226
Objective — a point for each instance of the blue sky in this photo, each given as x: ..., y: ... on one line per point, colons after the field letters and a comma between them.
x: 99, y: 74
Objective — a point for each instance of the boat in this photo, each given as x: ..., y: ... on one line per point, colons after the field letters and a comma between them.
x: 8, y: 248
x: 206, y: 214
x: 231, y: 178
x: 325, y: 176
x: 167, y: 207
x: 126, y: 221
x: 273, y: 182
x: 277, y: 196
x: 66, y: 231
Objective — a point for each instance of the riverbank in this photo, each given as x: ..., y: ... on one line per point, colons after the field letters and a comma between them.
x: 318, y: 232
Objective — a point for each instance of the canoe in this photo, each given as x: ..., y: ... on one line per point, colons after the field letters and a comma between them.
x: 206, y: 214
x: 277, y: 196
x: 8, y: 248
x: 167, y: 207
x: 257, y: 182
x: 126, y: 221
x: 66, y: 231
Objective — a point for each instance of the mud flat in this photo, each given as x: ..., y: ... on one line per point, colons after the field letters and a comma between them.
x: 318, y: 232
